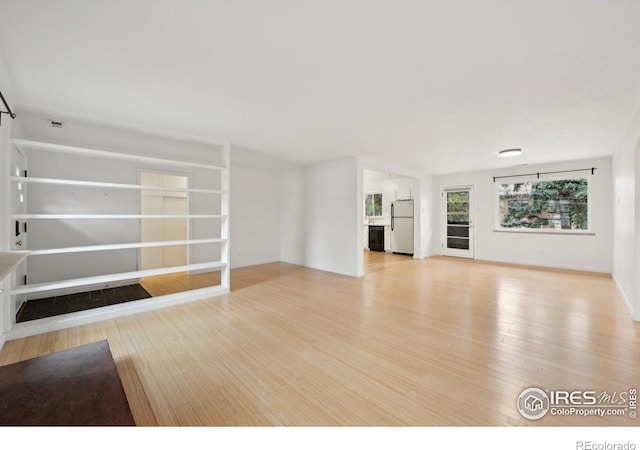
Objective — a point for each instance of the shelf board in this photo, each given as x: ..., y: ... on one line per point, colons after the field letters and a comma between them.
x: 117, y: 216
x: 42, y: 287
x: 96, y: 248
x: 111, y: 185
x: 9, y: 261
x: 24, y: 144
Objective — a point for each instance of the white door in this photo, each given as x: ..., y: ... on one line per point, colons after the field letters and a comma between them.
x: 457, y: 235
x: 151, y: 230
x: 19, y: 226
x: 168, y: 203
x: 166, y: 229
x: 175, y: 230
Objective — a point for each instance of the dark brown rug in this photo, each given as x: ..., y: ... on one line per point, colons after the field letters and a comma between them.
x: 79, y: 386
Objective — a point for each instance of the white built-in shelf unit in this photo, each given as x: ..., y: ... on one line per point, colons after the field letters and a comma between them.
x: 71, y: 206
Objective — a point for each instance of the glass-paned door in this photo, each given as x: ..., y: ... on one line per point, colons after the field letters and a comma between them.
x: 458, y: 224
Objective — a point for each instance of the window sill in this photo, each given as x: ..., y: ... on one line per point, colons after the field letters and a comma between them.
x: 535, y: 231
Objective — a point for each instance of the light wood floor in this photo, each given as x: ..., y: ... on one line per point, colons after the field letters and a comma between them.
x: 374, y: 261
x: 178, y: 282
x: 441, y: 341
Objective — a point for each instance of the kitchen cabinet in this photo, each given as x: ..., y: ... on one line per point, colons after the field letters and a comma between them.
x: 387, y: 236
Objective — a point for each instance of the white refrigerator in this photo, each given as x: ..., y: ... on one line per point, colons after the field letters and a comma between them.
x: 402, y: 227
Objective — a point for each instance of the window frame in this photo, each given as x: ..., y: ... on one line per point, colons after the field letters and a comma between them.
x: 373, y: 194
x: 533, y: 179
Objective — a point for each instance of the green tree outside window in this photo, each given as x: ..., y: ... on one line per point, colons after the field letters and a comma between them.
x: 373, y: 205
x: 558, y: 204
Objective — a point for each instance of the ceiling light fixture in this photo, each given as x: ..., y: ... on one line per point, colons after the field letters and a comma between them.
x: 510, y: 152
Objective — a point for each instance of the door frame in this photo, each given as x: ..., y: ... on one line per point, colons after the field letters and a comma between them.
x: 444, y: 251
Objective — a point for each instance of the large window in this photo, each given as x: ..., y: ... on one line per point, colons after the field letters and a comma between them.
x: 544, y: 205
x: 373, y: 205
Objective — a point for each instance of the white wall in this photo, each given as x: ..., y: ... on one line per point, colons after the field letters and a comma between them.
x: 257, y: 224
x: 635, y: 310
x: 293, y: 209
x: 580, y: 252
x: 331, y: 237
x: 626, y: 230
x: 118, y: 137
x: 59, y: 199
x: 321, y: 215
x: 255, y: 213
x: 429, y: 216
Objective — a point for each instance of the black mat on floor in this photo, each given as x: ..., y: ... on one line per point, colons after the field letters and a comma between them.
x: 79, y: 386
x: 54, y: 306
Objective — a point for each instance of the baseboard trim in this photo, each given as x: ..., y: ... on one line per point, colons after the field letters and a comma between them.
x: 3, y: 339
x: 555, y: 267
x: 55, y: 323
x: 627, y: 302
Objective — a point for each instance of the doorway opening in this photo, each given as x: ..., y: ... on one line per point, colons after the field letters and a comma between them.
x: 389, y: 222
x: 161, y: 205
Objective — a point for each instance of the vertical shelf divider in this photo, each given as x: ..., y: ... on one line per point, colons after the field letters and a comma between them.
x: 225, y: 198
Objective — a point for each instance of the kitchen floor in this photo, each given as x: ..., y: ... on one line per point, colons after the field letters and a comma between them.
x: 55, y: 306
x: 374, y: 261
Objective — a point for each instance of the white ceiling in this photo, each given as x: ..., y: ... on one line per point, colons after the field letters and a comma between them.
x: 440, y: 85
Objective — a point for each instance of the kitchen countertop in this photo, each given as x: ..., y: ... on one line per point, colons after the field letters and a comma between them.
x: 377, y: 224
x: 9, y: 261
